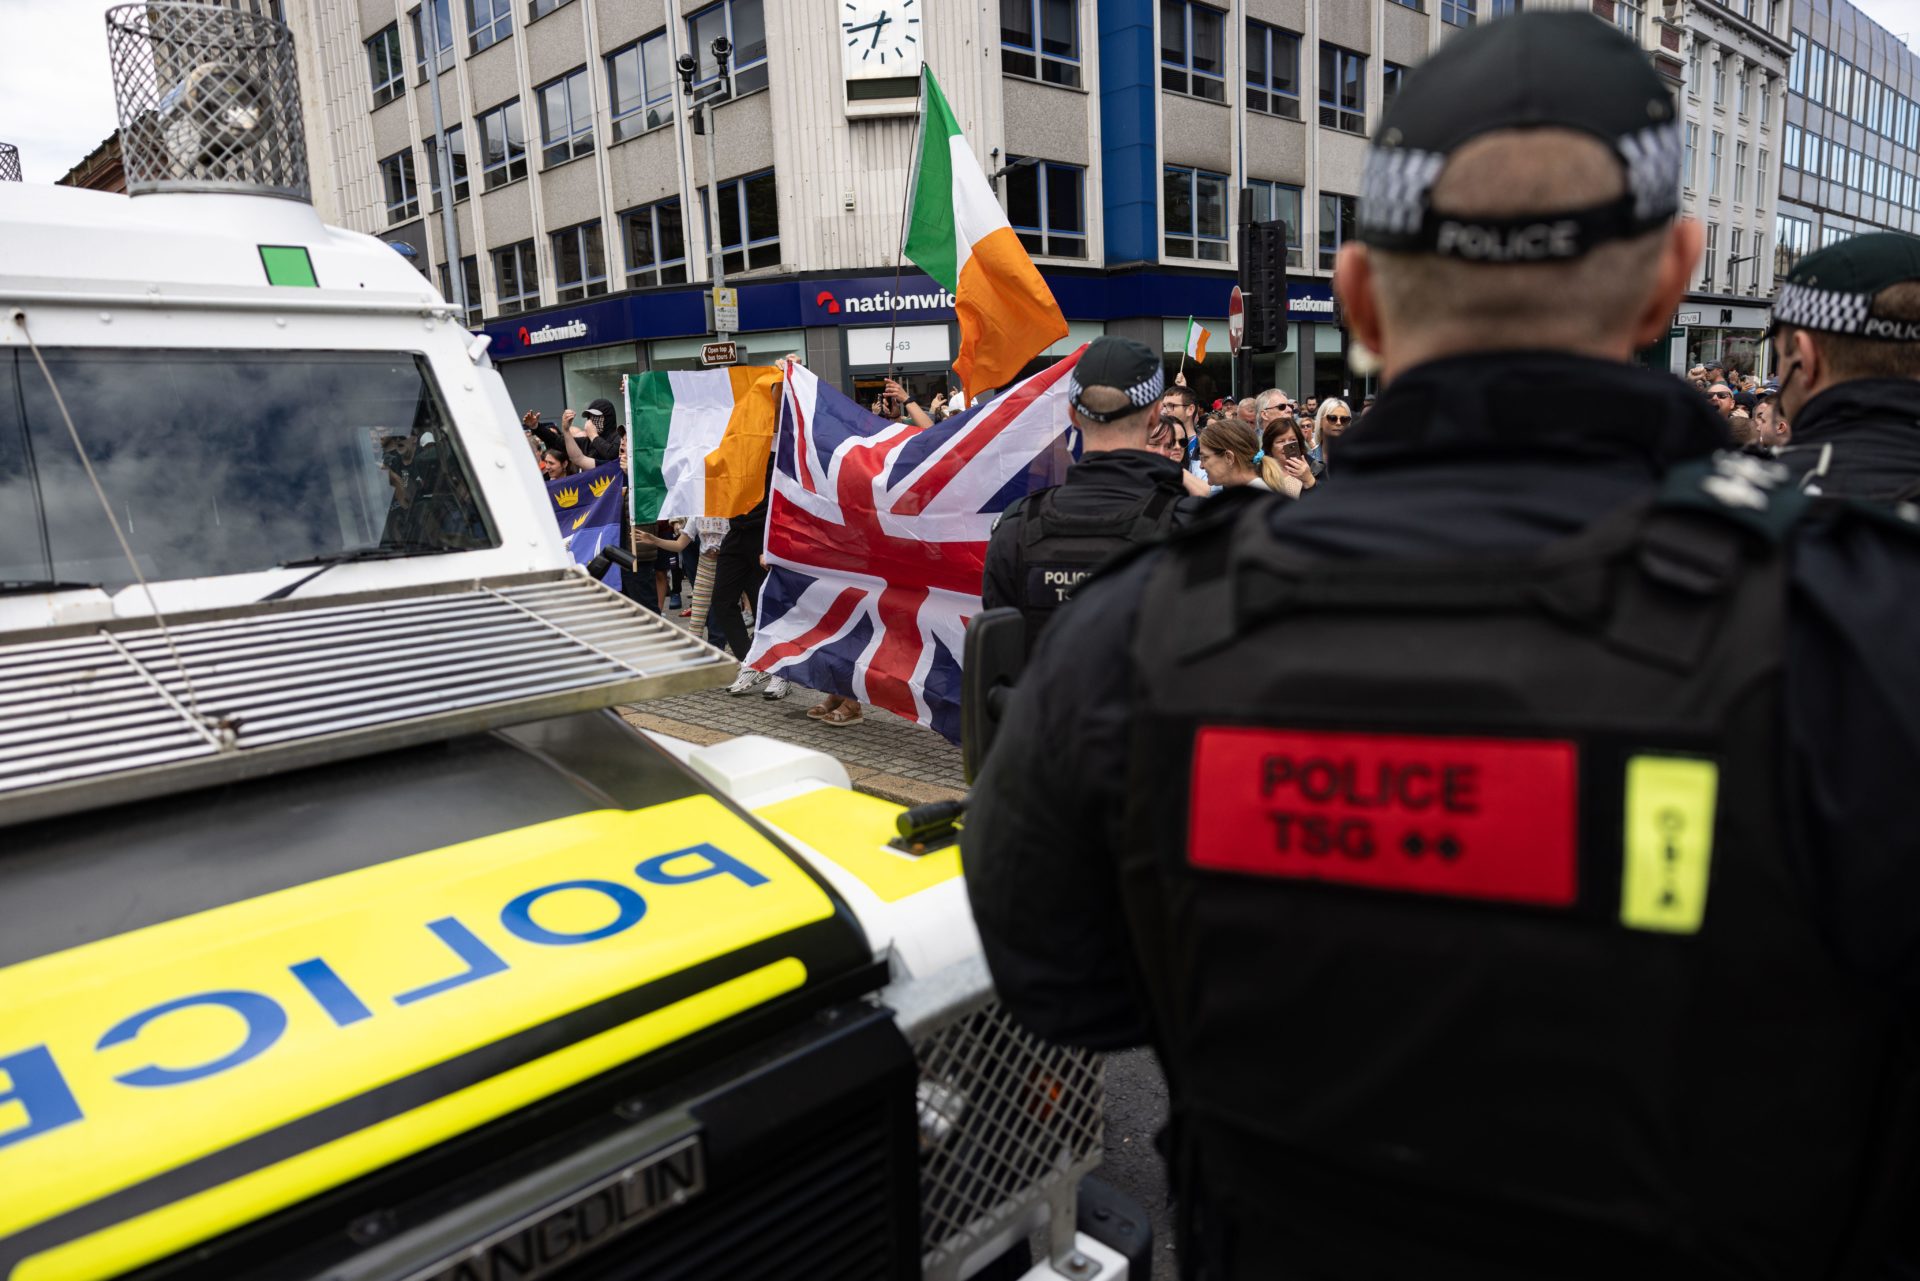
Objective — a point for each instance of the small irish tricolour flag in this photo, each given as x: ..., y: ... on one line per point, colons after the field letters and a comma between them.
x: 959, y: 236
x: 1196, y: 340
x: 698, y: 441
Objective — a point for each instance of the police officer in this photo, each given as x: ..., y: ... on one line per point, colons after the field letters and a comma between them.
x: 1118, y: 495
x: 1495, y: 906
x: 1846, y: 346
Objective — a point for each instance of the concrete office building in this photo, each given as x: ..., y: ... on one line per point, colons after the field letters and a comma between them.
x: 1131, y: 128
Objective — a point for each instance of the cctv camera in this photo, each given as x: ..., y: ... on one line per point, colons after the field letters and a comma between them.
x: 686, y: 64
x: 722, y: 48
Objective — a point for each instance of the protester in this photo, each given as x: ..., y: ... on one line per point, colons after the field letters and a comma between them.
x: 1846, y: 340
x: 667, y: 546
x: 1771, y: 429
x: 1249, y: 412
x: 1118, y: 495
x: 1721, y: 397
x: 1310, y: 408
x: 1233, y: 457
x: 1497, y: 904
x: 1332, y: 421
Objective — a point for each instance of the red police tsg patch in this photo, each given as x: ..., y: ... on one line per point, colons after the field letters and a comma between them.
x: 1480, y: 818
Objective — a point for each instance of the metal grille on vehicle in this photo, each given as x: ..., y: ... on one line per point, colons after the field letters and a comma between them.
x: 1008, y: 1123
x: 102, y: 717
x: 208, y: 100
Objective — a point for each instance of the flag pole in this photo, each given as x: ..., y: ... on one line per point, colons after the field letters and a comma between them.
x: 1186, y: 340
x: 906, y: 206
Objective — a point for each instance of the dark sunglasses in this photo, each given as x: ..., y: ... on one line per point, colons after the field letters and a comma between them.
x: 1339, y: 418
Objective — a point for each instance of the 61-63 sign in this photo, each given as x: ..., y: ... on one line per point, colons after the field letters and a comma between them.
x: 720, y: 353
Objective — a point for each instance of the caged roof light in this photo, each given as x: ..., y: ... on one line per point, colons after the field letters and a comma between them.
x: 9, y: 162
x: 208, y: 100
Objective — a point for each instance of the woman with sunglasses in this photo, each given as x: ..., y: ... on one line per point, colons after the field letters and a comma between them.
x: 1329, y: 423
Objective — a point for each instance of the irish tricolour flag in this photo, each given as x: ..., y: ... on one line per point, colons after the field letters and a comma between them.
x: 960, y: 237
x: 1196, y: 341
x: 698, y: 441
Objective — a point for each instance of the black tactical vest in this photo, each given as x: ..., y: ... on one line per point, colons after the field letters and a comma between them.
x: 1056, y: 550
x: 1468, y: 929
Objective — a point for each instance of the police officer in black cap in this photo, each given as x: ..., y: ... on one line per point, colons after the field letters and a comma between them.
x: 1509, y: 853
x: 1117, y: 496
x: 1846, y: 345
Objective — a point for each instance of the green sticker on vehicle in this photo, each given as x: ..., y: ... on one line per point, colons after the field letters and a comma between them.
x: 1668, y: 834
x: 288, y: 265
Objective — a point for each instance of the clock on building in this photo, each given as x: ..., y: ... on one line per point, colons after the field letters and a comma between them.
x: 880, y: 39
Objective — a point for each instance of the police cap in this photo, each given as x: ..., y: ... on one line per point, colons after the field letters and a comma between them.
x: 1832, y: 289
x: 1122, y: 364
x: 1546, y: 70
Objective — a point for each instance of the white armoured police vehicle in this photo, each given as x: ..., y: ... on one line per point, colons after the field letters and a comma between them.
x: 346, y: 930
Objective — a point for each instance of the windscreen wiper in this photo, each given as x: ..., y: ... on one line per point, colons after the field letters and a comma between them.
x: 18, y: 586
x: 330, y: 559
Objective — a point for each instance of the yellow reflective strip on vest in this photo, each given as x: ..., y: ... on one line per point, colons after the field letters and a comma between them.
x: 162, y: 1232
x: 1669, y: 842
x: 853, y: 829
x: 127, y: 1058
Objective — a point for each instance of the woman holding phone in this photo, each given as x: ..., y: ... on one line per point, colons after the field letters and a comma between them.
x: 1231, y: 455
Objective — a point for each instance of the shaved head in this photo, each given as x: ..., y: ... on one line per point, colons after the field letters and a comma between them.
x: 1595, y: 302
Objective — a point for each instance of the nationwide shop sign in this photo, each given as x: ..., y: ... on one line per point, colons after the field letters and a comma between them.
x: 1311, y: 300
x: 866, y: 300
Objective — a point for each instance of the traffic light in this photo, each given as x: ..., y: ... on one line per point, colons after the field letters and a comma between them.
x: 1263, y: 279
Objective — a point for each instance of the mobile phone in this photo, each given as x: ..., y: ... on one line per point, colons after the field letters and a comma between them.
x: 1291, y: 448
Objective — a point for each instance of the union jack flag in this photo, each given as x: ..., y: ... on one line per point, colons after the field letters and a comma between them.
x: 877, y: 537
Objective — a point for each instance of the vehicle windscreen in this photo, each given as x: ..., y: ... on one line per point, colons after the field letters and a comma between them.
x: 222, y: 462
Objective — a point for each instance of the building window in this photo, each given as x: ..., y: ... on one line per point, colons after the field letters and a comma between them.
x: 744, y: 23
x: 1720, y: 81
x: 470, y: 277
x: 1501, y: 8
x: 640, y: 86
x: 1277, y: 202
x: 1744, y: 89
x: 1459, y: 13
x: 503, y: 146
x: 1194, y: 207
x: 1713, y: 163
x: 1336, y: 226
x: 387, y: 66
x: 403, y: 190
x: 1760, y: 181
x: 1418, y: 6
x: 1193, y: 50
x: 1693, y: 145
x: 1797, y: 76
x: 1816, y: 72
x: 1040, y: 39
x: 541, y: 8
x: 1790, y: 150
x: 1734, y: 261
x: 1739, y: 173
x: 1392, y: 76
x: 566, y: 119
x: 656, y: 245
x: 1830, y: 236
x: 516, y: 279
x: 488, y: 23
x: 1713, y: 248
x: 457, y: 152
x: 749, y: 222
x: 579, y: 263
x: 1273, y: 70
x: 1343, y: 89
x: 1693, y: 68
x: 1792, y: 237
x: 1047, y: 210
x: 1626, y: 16
x: 442, y: 33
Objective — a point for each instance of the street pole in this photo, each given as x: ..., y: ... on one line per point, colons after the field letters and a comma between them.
x: 703, y: 124
x: 443, y: 161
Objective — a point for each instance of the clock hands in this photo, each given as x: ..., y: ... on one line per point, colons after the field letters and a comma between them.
x: 879, y: 25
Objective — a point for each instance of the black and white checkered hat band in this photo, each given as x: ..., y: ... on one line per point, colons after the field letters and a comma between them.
x: 1655, y: 157
x: 1394, y: 187
x: 1140, y: 395
x: 1827, y: 310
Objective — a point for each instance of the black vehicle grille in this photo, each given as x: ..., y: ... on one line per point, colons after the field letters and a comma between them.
x: 821, y: 1204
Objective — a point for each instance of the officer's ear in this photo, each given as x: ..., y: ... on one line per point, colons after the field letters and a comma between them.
x: 1679, y: 254
x: 1353, y: 285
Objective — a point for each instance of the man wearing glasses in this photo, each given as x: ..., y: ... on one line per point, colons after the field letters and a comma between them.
x: 1722, y: 397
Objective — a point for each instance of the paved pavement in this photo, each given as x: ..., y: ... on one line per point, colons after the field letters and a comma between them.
x: 907, y: 764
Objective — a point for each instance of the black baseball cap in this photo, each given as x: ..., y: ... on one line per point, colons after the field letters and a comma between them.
x: 1537, y: 70
x: 1122, y: 364
x: 1832, y: 289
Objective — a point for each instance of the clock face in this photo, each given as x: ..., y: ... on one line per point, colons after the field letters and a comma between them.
x: 880, y: 37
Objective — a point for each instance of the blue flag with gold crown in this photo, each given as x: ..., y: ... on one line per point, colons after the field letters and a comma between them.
x: 588, y: 508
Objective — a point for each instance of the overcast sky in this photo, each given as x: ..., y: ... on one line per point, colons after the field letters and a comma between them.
x: 56, y: 103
